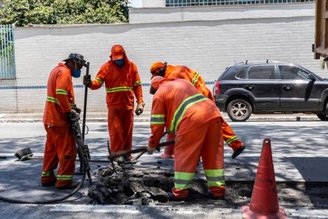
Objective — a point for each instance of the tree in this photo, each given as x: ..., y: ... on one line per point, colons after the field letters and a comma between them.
x: 27, y: 12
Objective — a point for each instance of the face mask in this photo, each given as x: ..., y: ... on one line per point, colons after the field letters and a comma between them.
x: 76, y: 73
x: 119, y: 62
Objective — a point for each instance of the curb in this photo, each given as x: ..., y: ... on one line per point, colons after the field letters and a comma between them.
x: 102, y: 117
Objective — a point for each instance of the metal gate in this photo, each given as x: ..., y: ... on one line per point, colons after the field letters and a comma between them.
x: 7, y: 52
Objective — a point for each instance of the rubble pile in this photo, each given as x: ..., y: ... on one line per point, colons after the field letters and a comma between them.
x: 124, y: 184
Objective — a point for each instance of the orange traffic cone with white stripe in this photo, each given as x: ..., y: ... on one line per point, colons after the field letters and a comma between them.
x: 264, y: 200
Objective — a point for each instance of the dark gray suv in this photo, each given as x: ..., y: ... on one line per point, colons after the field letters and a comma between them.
x: 270, y: 86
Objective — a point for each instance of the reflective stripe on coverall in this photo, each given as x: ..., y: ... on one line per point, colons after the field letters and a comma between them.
x: 121, y: 85
x: 196, y: 121
x: 60, y: 143
x: 197, y: 80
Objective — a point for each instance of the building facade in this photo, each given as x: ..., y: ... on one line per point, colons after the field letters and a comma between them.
x: 206, y: 41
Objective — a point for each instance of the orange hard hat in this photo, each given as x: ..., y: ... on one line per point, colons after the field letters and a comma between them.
x: 155, y: 81
x: 117, y: 52
x: 155, y: 66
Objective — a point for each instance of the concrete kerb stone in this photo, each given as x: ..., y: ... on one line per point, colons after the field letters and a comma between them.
x: 145, y: 117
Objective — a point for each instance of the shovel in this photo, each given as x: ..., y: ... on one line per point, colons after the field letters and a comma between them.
x: 141, y: 150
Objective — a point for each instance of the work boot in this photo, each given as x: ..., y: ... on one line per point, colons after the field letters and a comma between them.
x: 126, y: 160
x: 211, y: 196
x: 73, y: 185
x: 166, y: 156
x: 171, y: 197
x: 237, y: 152
x: 50, y: 183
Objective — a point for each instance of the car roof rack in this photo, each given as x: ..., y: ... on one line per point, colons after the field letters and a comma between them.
x: 267, y: 61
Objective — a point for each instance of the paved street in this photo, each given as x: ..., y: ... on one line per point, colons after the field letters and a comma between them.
x: 298, y: 149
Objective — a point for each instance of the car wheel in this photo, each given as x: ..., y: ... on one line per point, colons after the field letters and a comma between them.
x: 239, y: 110
x: 323, y: 116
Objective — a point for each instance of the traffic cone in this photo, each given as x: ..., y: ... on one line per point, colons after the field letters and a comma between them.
x: 264, y: 200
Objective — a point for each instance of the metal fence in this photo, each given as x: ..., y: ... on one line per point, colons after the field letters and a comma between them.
x: 7, y: 52
x: 178, y: 3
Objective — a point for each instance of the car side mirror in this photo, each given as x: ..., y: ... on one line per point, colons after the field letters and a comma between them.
x: 311, y: 77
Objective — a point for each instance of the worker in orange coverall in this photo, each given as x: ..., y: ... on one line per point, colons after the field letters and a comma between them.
x: 122, y: 82
x: 183, y: 72
x: 196, y: 122
x: 60, y: 106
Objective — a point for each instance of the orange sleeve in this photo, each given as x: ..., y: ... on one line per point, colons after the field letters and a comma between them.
x: 64, y: 85
x: 201, y: 86
x: 100, y: 77
x: 157, y: 120
x: 137, y: 88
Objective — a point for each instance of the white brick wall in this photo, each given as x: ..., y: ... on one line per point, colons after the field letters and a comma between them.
x: 206, y: 46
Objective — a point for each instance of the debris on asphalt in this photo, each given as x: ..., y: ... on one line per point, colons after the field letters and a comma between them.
x: 124, y: 184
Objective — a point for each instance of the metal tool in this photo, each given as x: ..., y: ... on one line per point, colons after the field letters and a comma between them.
x: 138, y: 150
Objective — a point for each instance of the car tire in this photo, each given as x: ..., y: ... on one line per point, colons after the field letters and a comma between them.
x: 323, y: 116
x: 239, y: 110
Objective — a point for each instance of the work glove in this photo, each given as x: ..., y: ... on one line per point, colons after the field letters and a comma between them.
x: 150, y: 150
x: 140, y: 108
x: 87, y: 80
x: 73, y: 115
x: 76, y: 109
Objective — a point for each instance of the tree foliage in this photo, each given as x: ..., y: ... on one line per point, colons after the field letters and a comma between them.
x: 27, y: 12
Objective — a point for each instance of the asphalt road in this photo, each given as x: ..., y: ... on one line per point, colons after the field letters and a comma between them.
x: 299, y: 150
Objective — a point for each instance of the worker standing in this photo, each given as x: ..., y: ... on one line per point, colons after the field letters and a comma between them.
x: 175, y: 106
x: 122, y: 83
x: 183, y: 72
x: 60, y: 106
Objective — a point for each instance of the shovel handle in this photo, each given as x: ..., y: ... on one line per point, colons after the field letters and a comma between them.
x: 142, y: 149
x: 139, y: 155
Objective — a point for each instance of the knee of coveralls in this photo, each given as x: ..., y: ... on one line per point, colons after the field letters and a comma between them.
x: 50, y: 160
x: 66, y: 153
x: 115, y: 129
x: 230, y: 137
x: 213, y: 158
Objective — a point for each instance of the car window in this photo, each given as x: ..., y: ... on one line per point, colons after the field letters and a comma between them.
x: 292, y: 72
x: 261, y: 72
x: 234, y: 72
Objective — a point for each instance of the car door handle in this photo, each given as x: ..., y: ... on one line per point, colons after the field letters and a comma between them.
x: 287, y: 87
x: 249, y: 87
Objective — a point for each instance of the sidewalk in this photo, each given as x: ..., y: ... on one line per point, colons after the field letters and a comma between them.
x: 145, y: 117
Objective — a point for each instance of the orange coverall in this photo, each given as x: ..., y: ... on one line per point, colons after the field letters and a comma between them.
x: 60, y: 144
x: 196, y: 122
x: 121, y: 85
x: 197, y: 80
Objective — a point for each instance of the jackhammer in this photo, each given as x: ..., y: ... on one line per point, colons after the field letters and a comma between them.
x: 82, y: 148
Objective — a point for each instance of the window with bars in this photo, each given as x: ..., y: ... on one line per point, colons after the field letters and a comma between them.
x: 7, y: 52
x: 179, y: 3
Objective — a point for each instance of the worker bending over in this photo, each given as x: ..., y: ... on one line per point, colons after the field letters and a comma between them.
x: 183, y: 72
x: 197, y: 124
